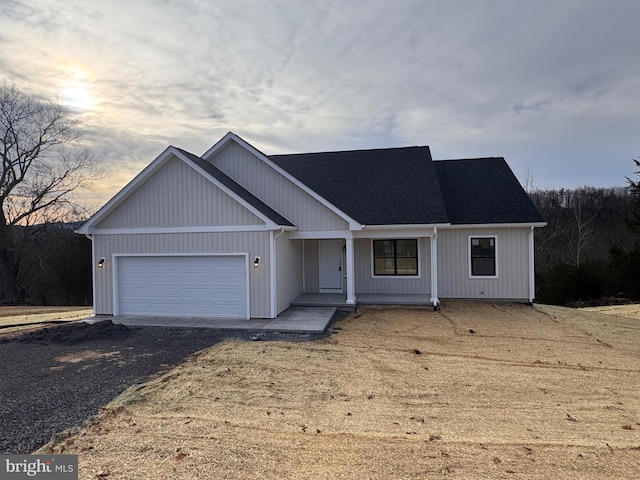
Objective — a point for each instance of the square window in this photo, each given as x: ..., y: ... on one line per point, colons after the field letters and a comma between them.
x: 395, y: 257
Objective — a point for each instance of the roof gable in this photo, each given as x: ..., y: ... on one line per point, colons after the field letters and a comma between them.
x: 484, y: 190
x: 266, y: 160
x: 389, y: 186
x: 167, y: 198
x: 271, y: 218
x: 238, y: 190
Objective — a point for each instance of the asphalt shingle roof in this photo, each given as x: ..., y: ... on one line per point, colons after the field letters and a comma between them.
x: 237, y: 189
x: 396, y: 186
x: 483, y: 190
x: 375, y: 187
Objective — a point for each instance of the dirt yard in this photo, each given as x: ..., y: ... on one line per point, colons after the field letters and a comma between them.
x: 475, y: 391
x: 21, y: 318
x: 630, y: 311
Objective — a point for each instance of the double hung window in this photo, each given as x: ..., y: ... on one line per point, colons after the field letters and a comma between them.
x: 483, y: 256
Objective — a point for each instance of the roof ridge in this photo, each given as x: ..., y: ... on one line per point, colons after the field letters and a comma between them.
x: 351, y: 151
x: 467, y: 159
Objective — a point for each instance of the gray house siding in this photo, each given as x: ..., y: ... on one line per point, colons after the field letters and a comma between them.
x: 366, y: 283
x: 288, y: 271
x: 512, y: 257
x: 178, y: 196
x: 275, y: 190
x: 252, y: 243
x: 311, y: 267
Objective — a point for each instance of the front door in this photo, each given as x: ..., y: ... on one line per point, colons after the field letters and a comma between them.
x: 330, y: 258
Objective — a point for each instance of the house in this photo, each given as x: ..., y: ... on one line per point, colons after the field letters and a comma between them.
x: 237, y: 233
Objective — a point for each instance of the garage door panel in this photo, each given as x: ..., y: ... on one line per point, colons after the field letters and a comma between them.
x: 163, y: 294
x: 166, y: 308
x: 198, y: 293
x: 135, y: 277
x: 210, y: 286
x: 196, y: 277
x: 226, y: 293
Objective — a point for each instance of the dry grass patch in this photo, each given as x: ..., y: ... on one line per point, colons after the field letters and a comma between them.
x: 19, y: 315
x: 473, y: 391
x: 630, y: 311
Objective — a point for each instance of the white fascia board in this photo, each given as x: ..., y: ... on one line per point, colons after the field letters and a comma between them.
x: 353, y: 225
x: 126, y: 191
x: 219, y: 145
x: 407, y: 226
x: 495, y: 225
x: 196, y: 229
x: 399, y: 231
x: 320, y: 234
x: 271, y: 225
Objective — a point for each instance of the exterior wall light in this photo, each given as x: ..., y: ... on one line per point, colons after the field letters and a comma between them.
x: 256, y: 262
x: 101, y: 262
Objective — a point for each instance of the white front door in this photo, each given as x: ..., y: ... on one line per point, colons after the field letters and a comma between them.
x: 330, y: 258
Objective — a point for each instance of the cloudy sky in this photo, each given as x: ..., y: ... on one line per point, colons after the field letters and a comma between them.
x: 551, y: 85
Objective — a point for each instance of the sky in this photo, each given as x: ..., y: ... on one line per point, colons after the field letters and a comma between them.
x: 551, y: 85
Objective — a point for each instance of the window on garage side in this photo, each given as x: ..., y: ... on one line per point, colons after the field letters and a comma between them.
x: 395, y: 257
x: 483, y: 256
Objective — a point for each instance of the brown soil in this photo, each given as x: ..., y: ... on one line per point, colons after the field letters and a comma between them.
x: 474, y: 391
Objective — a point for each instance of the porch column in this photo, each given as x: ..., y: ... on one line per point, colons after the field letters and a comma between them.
x: 434, y: 268
x: 351, y: 282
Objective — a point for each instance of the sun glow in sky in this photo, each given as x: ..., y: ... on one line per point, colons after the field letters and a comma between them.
x: 76, y: 89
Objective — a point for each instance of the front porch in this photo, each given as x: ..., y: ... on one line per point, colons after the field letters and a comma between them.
x: 340, y: 299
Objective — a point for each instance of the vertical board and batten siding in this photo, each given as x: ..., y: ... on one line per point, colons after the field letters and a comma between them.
x: 178, y: 196
x: 366, y: 283
x: 311, y: 267
x: 288, y: 271
x: 253, y: 243
x: 513, y: 265
x: 275, y: 190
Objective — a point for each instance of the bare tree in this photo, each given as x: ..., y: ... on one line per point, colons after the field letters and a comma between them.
x: 634, y: 187
x: 584, y: 217
x: 42, y: 166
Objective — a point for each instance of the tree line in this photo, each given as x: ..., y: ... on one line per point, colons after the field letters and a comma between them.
x: 589, y: 252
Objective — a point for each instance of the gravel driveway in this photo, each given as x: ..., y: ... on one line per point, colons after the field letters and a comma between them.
x: 53, y: 379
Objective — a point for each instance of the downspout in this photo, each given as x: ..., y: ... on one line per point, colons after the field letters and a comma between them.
x: 532, y: 267
x: 434, y: 269
x: 272, y: 271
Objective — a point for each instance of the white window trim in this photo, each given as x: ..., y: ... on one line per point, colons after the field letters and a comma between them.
x: 396, y: 277
x: 483, y: 277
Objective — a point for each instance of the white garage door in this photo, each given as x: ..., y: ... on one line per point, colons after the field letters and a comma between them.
x: 198, y: 286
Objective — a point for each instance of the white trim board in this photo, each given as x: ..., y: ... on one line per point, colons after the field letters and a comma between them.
x: 200, y: 229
